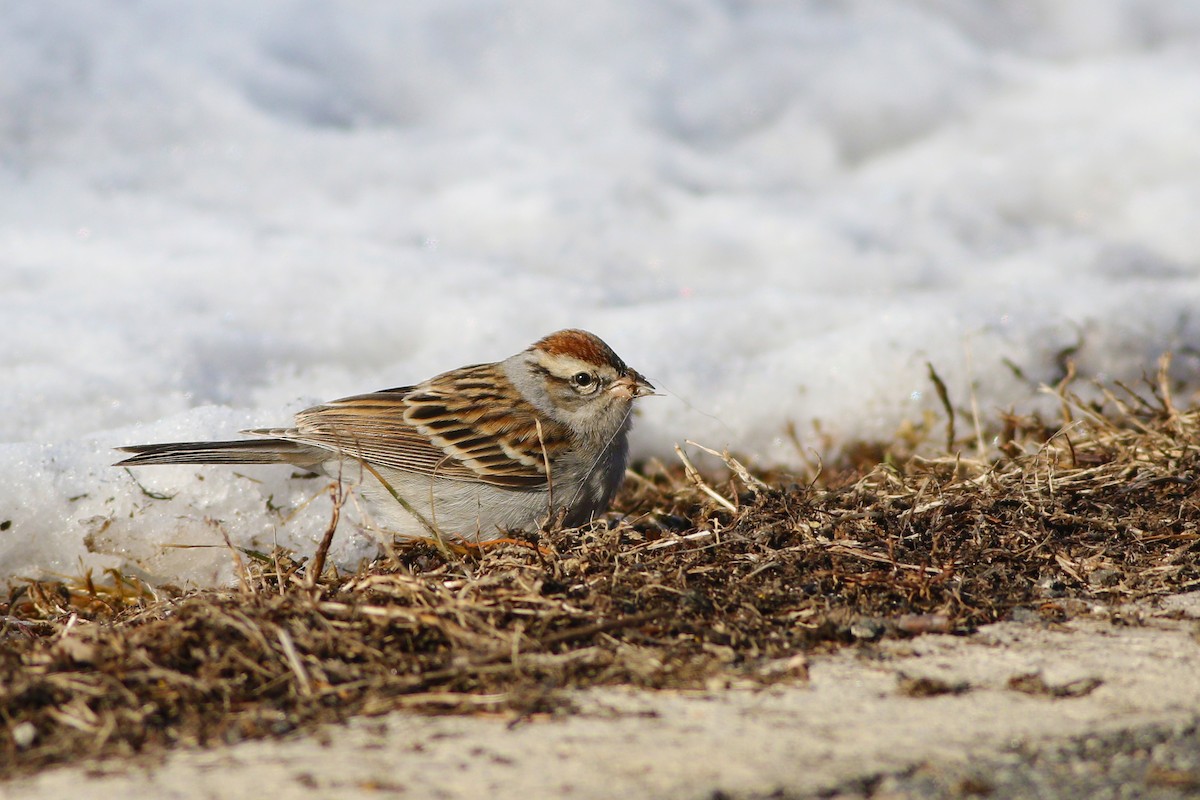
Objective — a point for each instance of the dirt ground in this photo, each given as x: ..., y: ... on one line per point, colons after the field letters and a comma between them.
x: 923, y: 610
x: 936, y: 716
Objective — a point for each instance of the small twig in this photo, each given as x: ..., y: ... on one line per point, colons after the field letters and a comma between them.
x: 943, y: 395
x: 694, y: 476
x: 841, y: 549
x: 279, y: 582
x: 293, y: 660
x: 546, y: 463
x: 752, y: 483
x: 243, y: 572
x: 661, y: 543
x: 1060, y: 389
x: 318, y: 563
x: 585, y: 631
x: 145, y: 491
x: 1164, y: 389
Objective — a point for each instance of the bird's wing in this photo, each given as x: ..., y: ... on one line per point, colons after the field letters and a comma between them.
x: 455, y: 426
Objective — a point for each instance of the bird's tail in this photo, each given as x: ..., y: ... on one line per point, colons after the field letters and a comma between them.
x: 245, y: 451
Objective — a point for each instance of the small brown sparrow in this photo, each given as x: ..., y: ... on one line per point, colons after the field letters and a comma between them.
x: 469, y: 454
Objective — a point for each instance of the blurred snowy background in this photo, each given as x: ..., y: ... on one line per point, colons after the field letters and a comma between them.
x: 216, y: 213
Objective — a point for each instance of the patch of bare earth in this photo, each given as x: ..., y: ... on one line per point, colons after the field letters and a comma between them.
x: 693, y: 581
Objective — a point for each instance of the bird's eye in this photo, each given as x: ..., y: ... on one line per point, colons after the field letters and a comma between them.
x: 582, y: 379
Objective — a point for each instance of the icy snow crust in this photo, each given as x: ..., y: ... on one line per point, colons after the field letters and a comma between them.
x: 216, y: 213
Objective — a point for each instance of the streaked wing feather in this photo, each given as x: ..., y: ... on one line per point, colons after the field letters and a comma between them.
x: 454, y: 426
x: 372, y: 427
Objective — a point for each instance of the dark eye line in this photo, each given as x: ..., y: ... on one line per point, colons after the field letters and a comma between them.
x: 594, y: 379
x: 585, y: 380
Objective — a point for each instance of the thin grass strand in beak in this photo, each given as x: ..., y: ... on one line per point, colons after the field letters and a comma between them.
x: 631, y: 385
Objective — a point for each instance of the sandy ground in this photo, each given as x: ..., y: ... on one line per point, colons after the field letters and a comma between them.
x: 852, y: 722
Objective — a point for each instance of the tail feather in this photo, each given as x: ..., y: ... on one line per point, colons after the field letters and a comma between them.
x: 246, y: 451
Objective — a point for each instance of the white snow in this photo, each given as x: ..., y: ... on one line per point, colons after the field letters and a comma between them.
x: 214, y: 214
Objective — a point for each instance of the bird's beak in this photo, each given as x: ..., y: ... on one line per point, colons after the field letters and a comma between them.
x: 631, y: 385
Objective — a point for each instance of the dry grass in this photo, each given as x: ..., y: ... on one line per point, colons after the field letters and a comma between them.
x: 694, y: 582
